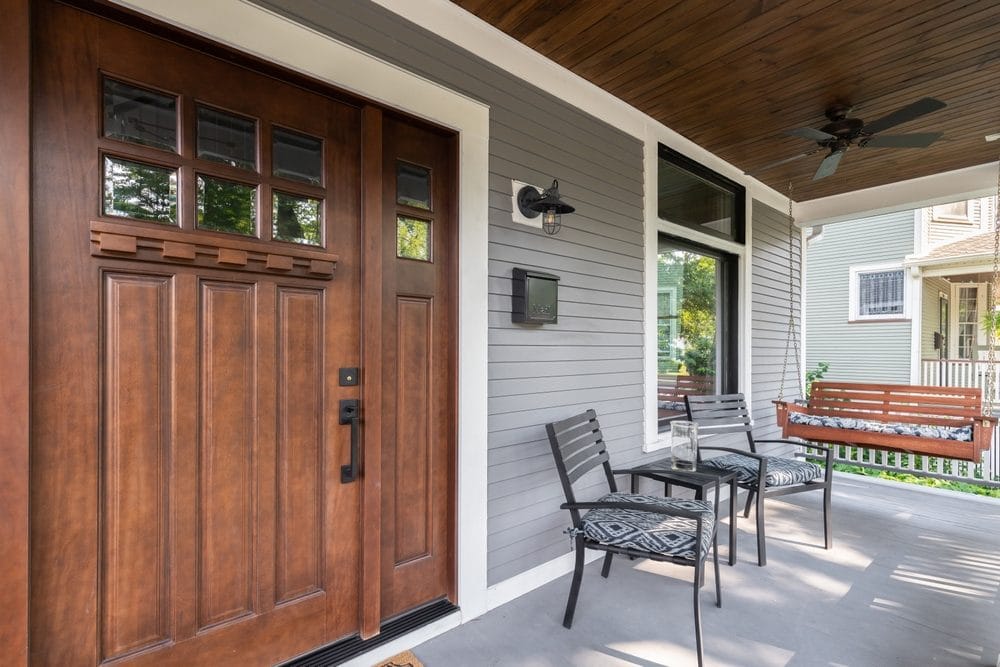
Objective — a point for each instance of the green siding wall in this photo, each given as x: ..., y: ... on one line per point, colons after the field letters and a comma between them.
x: 856, y: 351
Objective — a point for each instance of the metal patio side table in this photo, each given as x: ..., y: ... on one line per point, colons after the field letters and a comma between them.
x: 700, y: 480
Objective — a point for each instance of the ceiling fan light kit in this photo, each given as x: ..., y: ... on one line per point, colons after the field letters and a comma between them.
x: 843, y: 132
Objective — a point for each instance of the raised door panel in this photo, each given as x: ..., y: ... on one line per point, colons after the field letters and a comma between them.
x: 135, y: 454
x: 300, y: 443
x: 413, y: 456
x: 226, y: 493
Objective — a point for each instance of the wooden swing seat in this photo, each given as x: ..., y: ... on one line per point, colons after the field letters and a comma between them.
x: 884, y: 416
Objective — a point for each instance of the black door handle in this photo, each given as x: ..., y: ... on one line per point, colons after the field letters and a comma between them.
x: 350, y: 413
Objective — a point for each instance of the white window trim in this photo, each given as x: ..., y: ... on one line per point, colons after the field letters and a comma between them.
x: 654, y: 440
x: 853, y: 284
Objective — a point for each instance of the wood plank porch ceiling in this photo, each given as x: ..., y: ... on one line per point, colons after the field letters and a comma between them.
x: 735, y: 75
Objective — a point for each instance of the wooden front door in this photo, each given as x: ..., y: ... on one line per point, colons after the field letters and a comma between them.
x: 197, y: 285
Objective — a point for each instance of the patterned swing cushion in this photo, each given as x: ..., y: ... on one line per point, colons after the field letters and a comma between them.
x: 670, y: 405
x: 780, y: 471
x: 958, y: 433
x: 645, y: 531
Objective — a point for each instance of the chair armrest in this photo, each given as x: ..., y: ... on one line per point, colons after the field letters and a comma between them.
x: 639, y: 507
x: 808, y: 443
x: 743, y: 452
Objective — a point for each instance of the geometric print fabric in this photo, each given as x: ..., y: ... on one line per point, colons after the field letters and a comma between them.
x: 957, y: 433
x: 780, y: 471
x: 647, y: 531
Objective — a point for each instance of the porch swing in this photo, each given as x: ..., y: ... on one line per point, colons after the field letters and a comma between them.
x: 947, y: 422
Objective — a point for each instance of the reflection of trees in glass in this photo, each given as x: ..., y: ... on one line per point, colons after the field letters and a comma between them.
x: 140, y: 191
x: 225, y: 206
x: 413, y: 238
x: 694, y: 279
x: 296, y: 219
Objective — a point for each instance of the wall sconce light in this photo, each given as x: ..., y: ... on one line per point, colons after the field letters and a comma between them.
x: 548, y: 203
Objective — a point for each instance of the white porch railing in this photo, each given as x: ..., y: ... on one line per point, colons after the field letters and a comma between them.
x: 945, y: 373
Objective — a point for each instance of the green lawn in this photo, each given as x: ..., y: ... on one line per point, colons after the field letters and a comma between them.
x: 922, y: 481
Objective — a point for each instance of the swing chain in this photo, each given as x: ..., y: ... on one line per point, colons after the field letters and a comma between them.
x: 994, y: 304
x: 793, y: 339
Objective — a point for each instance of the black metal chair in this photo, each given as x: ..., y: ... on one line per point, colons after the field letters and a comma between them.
x: 664, y: 529
x: 775, y: 475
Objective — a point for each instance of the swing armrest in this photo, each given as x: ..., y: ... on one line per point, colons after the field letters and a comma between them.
x: 793, y: 406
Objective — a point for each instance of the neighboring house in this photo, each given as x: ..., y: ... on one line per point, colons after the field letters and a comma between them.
x: 888, y: 294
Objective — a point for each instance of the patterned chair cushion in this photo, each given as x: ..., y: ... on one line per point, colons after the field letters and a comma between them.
x: 645, y: 531
x: 959, y: 433
x: 780, y: 471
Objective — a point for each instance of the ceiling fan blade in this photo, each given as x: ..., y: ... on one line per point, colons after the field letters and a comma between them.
x: 810, y: 134
x: 907, y: 113
x: 784, y: 161
x: 829, y: 164
x: 919, y: 140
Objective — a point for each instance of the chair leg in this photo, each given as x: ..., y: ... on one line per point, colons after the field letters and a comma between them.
x: 574, y: 589
x: 715, y: 559
x: 697, y: 617
x: 827, y: 516
x: 606, y: 568
x: 761, y: 549
x: 750, y: 496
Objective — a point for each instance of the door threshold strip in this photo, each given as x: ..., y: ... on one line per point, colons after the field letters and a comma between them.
x: 345, y: 649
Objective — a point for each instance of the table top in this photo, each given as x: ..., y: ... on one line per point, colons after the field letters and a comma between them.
x: 662, y: 468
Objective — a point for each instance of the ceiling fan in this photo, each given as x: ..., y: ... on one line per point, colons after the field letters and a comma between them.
x: 842, y: 132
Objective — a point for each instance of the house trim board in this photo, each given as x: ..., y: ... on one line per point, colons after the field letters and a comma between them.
x: 917, y: 297
x: 15, y: 353
x: 262, y: 33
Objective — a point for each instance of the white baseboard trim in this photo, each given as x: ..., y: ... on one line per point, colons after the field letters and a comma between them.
x: 518, y: 585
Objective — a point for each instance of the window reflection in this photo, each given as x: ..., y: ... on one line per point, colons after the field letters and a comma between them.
x: 140, y: 191
x: 225, y: 206
x: 296, y: 219
x: 139, y: 116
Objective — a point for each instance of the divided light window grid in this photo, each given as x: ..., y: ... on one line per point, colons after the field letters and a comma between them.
x: 233, y: 192
x: 880, y: 293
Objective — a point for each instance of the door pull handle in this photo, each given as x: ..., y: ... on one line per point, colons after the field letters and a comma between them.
x: 350, y: 413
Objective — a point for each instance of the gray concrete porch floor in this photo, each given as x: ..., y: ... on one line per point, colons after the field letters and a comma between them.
x: 912, y: 579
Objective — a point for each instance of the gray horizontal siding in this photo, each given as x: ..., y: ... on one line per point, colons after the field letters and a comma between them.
x: 593, y: 356
x: 856, y: 351
x: 771, y: 261
x: 933, y: 288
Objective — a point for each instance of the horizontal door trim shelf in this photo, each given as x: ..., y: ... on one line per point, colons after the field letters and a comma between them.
x: 168, y: 246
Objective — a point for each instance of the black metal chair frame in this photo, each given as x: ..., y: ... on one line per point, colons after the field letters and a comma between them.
x: 578, y: 447
x: 728, y: 413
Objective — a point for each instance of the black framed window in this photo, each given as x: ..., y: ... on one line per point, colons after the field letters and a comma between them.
x: 692, y: 195
x: 696, y: 324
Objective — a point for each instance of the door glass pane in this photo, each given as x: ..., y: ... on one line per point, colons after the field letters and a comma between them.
x: 226, y: 138
x: 413, y: 238
x: 687, y: 331
x: 968, y: 318
x: 225, y: 206
x: 297, y: 156
x: 296, y: 219
x: 140, y: 191
x: 413, y: 185
x: 140, y: 116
